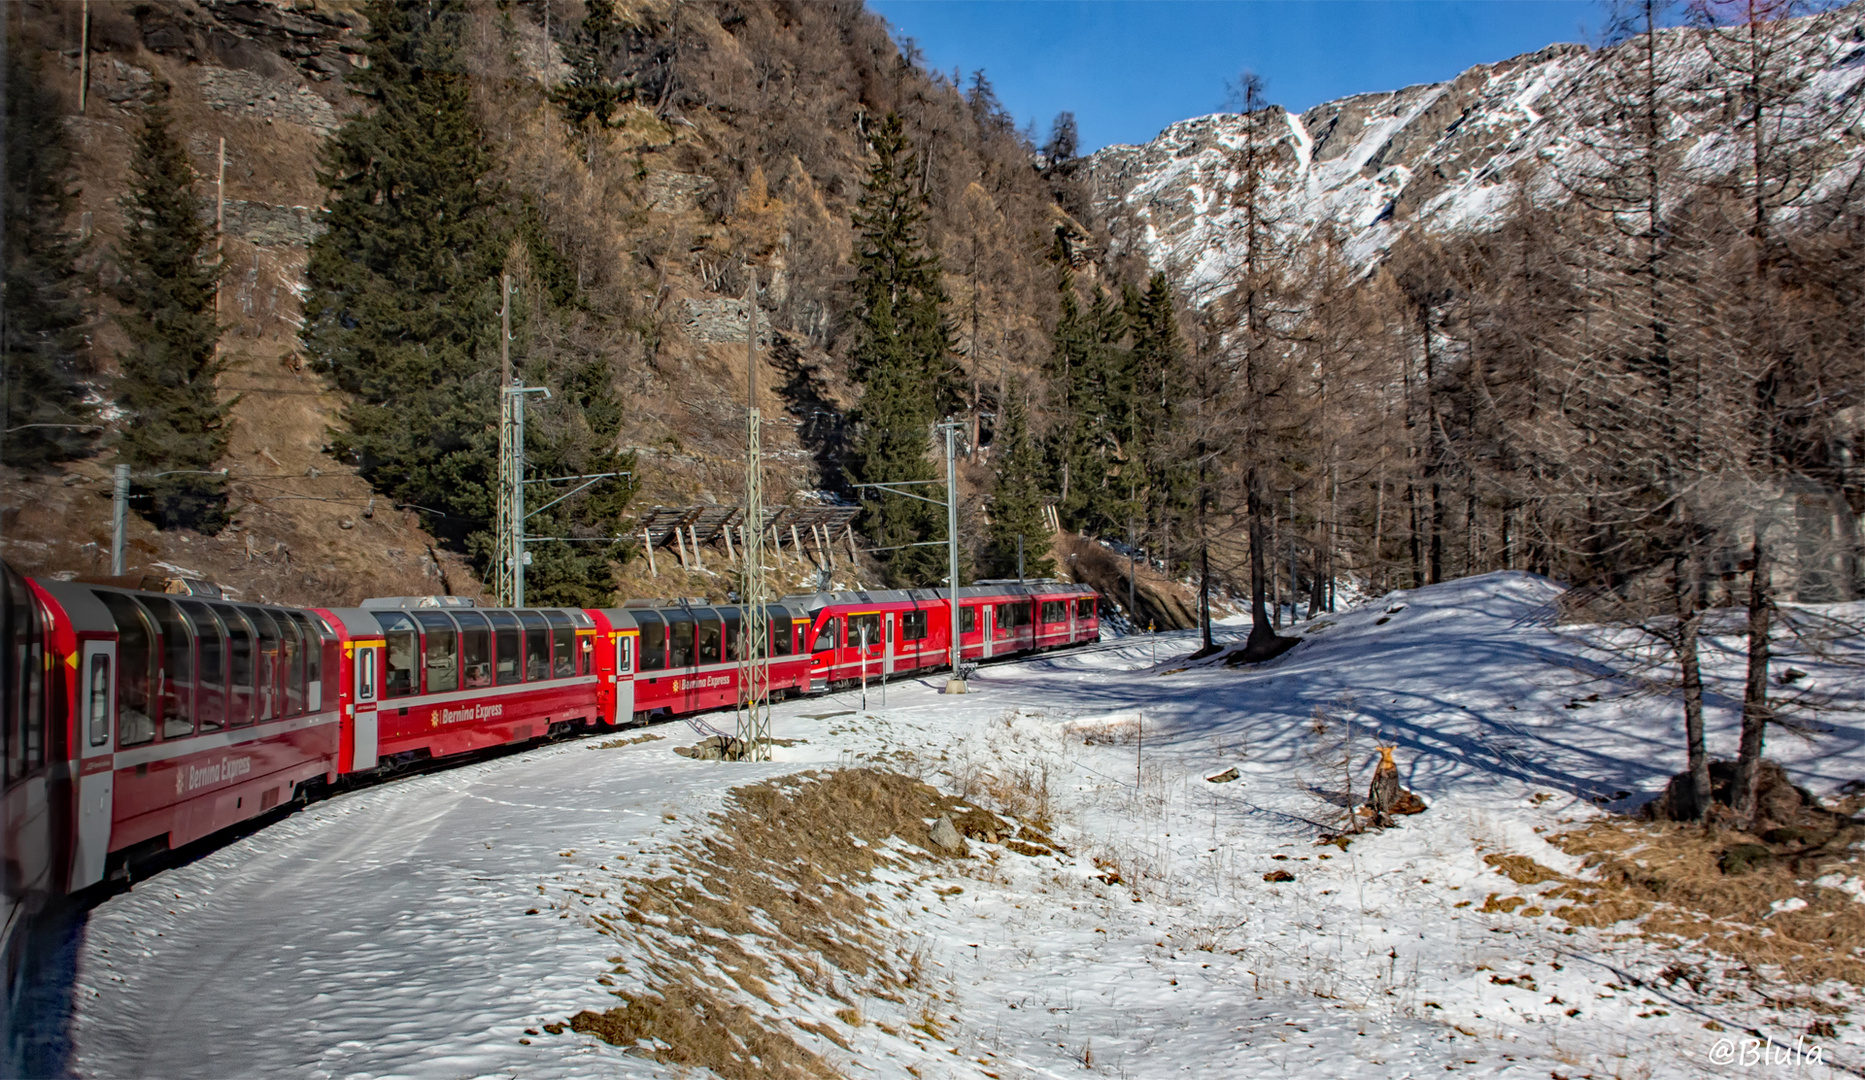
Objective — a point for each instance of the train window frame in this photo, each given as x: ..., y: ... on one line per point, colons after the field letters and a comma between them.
x: 651, y: 650
x: 709, y: 638
x: 853, y: 624
x: 731, y: 641
x: 475, y: 629
x: 913, y: 625
x: 210, y: 658
x: 181, y: 725
x: 268, y: 700
x: 246, y: 694
x: 313, y: 661
x: 624, y: 654
x: 1084, y: 607
x: 535, y: 660
x: 439, y: 630
x: 507, y: 630
x: 1054, y: 611
x: 98, y: 697
x: 399, y: 630
x: 781, y: 634
x: 291, y: 668
x: 120, y: 604
x: 562, y: 644
x: 828, y: 635
x: 968, y: 619
x: 681, y: 627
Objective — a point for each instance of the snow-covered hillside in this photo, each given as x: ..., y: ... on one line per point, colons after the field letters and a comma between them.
x: 1444, y: 156
x: 446, y: 925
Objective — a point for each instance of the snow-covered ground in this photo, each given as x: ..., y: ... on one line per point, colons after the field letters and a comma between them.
x: 419, y: 928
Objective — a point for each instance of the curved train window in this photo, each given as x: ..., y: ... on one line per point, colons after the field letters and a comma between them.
x: 733, y: 645
x: 265, y: 664
x: 240, y: 640
x: 475, y: 649
x: 175, y: 688
x: 562, y: 645
x: 537, y: 645
x: 508, y: 638
x: 826, y: 637
x: 710, y: 634
x: 291, y: 662
x: 653, y: 644
x: 313, y: 661
x: 440, y: 656
x: 403, y: 645
x: 210, y: 684
x: 913, y: 625
x: 136, y: 671
x: 679, y: 640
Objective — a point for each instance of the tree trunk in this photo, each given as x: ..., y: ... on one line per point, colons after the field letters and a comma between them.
x: 1263, y: 642
x: 1689, y: 621
x: 1755, y: 713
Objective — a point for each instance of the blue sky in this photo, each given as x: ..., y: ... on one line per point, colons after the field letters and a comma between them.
x: 1127, y: 68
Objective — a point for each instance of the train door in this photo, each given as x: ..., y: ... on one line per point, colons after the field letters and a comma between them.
x: 97, y: 694
x: 364, y: 752
x: 624, y: 678
x: 889, y: 635
x: 986, y: 616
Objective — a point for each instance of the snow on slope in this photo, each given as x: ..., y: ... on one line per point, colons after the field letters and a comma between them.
x: 1447, y: 156
x: 386, y: 932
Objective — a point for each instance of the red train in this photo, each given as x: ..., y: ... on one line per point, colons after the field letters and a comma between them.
x: 137, y: 722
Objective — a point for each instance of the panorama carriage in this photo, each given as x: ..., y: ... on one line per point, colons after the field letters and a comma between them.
x: 137, y: 722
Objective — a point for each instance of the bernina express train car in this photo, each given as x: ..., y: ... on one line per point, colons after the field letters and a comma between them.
x: 177, y: 717
x: 687, y: 655
x: 903, y: 630
x: 424, y: 681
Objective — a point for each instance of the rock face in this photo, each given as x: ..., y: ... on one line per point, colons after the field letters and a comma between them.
x: 1445, y: 156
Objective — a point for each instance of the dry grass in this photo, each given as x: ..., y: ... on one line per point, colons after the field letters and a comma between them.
x: 790, y: 867
x: 690, y: 1026
x: 1716, y: 890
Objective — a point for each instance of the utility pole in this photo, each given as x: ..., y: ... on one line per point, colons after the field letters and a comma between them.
x: 1019, y: 558
x: 754, y: 679
x: 504, y: 556
x: 1132, y: 619
x: 954, y: 685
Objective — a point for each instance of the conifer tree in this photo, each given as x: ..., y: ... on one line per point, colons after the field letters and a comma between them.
x: 1017, y: 498
x: 902, y: 358
x: 176, y: 420
x: 46, y: 419
x: 1089, y: 362
x: 590, y: 93
x: 1161, y: 488
x: 403, y: 313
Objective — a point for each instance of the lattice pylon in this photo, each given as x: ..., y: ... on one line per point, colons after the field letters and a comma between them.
x: 754, y: 666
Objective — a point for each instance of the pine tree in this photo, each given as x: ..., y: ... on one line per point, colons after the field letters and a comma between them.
x: 403, y: 313
x: 590, y: 93
x: 46, y: 418
x: 1017, y: 498
x: 1162, y: 487
x: 1089, y: 362
x: 176, y: 421
x: 902, y: 357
